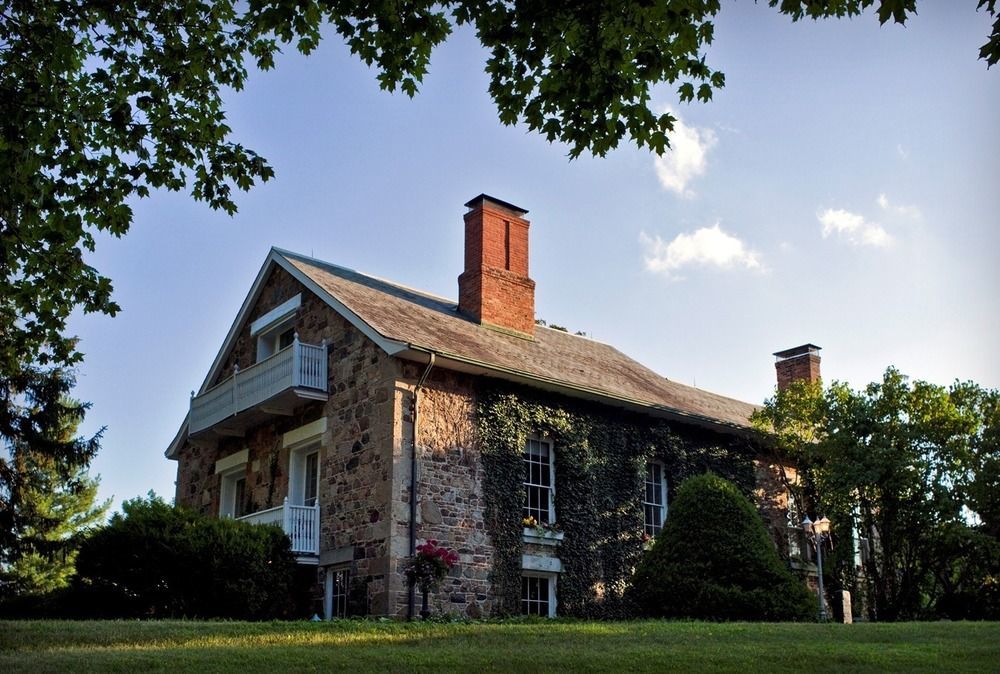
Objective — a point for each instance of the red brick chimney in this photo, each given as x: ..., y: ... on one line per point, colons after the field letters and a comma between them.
x: 798, y: 364
x: 495, y: 289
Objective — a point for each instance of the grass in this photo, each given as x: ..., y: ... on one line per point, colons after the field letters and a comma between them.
x: 49, y: 646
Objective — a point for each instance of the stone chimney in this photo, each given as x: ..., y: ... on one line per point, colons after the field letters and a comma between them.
x: 495, y: 289
x: 800, y: 363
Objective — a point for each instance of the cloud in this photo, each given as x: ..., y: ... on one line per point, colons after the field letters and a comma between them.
x: 686, y: 159
x: 705, y: 247
x: 854, y: 228
x: 911, y: 212
x: 902, y: 151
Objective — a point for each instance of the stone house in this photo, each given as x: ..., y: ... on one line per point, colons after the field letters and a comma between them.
x: 365, y: 417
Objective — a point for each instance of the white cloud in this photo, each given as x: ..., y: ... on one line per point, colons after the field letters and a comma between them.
x: 902, y: 151
x: 705, y: 247
x: 686, y: 159
x: 911, y: 212
x: 853, y: 227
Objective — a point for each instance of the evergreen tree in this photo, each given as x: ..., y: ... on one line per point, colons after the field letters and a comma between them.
x: 48, y: 504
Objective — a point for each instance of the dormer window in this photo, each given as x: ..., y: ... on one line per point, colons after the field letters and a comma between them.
x: 275, y: 330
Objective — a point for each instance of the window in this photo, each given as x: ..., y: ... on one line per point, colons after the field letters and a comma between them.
x: 233, y: 493
x: 286, y: 338
x: 275, y: 330
x: 335, y: 595
x: 311, y: 486
x: 794, y: 522
x: 303, y: 474
x: 539, y: 487
x: 538, y: 595
x: 654, y: 499
x: 273, y: 341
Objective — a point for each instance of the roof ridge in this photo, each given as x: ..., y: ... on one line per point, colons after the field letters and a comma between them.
x: 373, y: 277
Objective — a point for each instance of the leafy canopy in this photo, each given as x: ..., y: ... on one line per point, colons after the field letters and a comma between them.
x: 102, y: 101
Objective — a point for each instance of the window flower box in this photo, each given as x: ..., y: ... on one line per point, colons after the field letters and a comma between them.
x: 540, y: 536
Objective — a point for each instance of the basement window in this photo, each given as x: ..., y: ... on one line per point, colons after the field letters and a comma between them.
x: 335, y: 593
x: 538, y: 594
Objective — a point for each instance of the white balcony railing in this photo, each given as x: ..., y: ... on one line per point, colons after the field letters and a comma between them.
x: 300, y: 524
x: 296, y: 366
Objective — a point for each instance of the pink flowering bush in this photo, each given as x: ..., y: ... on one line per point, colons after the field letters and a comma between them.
x: 430, y: 565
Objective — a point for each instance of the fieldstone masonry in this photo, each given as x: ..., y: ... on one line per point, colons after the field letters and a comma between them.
x: 365, y: 486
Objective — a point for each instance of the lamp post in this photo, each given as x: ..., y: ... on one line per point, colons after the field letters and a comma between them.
x: 818, y: 532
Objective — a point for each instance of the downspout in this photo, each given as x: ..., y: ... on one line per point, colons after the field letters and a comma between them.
x: 411, y: 607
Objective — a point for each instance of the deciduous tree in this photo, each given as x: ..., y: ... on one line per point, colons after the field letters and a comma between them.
x: 901, y: 462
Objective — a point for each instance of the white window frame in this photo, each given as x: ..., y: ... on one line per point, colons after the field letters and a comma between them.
x: 227, y: 490
x: 297, y: 471
x: 552, y: 580
x: 335, y: 605
x: 662, y: 505
x: 300, y: 442
x: 552, y: 478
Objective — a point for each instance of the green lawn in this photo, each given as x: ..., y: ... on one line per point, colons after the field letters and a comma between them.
x: 45, y: 646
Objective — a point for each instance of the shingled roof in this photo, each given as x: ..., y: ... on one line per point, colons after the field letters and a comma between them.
x: 553, y: 359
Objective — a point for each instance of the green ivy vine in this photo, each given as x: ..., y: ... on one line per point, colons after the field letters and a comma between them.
x: 600, y: 459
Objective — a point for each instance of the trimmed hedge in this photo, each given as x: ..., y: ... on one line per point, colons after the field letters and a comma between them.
x: 161, y: 561
x: 713, y: 560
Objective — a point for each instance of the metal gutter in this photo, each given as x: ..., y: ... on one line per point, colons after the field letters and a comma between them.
x: 412, y: 603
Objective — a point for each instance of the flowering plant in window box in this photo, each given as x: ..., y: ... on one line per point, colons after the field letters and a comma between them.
x: 428, y: 568
x: 647, y: 541
x: 549, y: 533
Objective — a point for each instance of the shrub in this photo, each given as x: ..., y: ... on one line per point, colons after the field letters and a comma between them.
x: 156, y: 560
x: 714, y: 560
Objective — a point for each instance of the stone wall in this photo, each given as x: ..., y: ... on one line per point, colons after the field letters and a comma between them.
x: 356, y: 453
x: 450, y: 505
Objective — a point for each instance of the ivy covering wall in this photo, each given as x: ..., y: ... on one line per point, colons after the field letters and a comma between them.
x: 600, y: 459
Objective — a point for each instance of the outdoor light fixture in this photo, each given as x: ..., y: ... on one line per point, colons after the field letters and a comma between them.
x: 818, y: 532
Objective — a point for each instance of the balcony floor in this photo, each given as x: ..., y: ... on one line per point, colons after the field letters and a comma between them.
x: 281, y: 405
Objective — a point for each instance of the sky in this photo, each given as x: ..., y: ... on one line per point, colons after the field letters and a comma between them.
x: 840, y: 190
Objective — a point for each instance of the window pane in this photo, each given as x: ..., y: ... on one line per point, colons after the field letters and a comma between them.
x: 311, y: 479
x: 537, y: 481
x: 340, y: 585
x: 239, y: 497
x: 534, y: 595
x: 654, y: 499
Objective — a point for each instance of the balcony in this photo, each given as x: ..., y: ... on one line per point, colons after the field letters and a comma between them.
x: 300, y: 524
x: 275, y: 385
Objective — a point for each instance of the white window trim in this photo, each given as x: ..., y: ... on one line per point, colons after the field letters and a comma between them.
x: 552, y: 578
x: 663, y: 494
x: 306, y: 433
x: 552, y: 471
x: 227, y: 463
x: 272, y: 318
